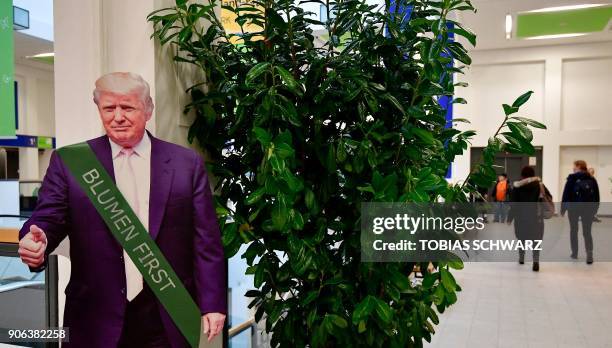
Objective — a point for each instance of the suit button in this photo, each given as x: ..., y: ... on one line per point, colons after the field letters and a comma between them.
x: 123, y: 291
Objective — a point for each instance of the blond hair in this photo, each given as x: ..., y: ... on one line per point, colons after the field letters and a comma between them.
x: 124, y: 83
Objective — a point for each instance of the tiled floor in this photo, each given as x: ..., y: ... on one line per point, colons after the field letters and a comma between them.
x: 566, y: 304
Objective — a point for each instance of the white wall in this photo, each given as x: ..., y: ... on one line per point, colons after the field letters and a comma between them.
x: 572, y: 97
x: 36, y: 104
x: 586, y: 79
x: 36, y: 117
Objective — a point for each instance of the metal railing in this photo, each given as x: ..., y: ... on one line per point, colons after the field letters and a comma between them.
x: 233, y: 331
x: 13, y: 216
x: 242, y: 327
x: 21, y: 284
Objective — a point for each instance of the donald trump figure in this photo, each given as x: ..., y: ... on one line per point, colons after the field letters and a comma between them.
x: 107, y: 302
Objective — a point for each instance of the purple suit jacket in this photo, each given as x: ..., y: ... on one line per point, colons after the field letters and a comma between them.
x: 182, y: 221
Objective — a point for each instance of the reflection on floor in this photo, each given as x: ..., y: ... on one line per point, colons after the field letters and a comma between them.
x: 566, y: 304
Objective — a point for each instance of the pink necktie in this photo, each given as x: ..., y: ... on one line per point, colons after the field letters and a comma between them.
x: 130, y: 192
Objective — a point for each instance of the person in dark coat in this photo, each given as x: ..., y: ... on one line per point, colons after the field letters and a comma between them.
x: 528, y: 220
x: 581, y: 201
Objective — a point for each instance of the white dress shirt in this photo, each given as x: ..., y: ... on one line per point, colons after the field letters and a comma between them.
x: 141, y: 163
x: 133, y: 179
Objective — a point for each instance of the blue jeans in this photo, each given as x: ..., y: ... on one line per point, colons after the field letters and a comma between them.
x: 500, y: 212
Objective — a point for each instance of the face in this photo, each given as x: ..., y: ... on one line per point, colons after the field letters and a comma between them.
x: 501, y: 178
x: 124, y: 117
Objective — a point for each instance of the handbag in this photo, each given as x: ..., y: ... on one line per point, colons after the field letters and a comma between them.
x: 548, y: 207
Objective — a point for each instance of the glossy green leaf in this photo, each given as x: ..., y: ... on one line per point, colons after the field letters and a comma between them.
x: 424, y: 135
x: 447, y: 280
x: 520, y: 130
x: 522, y: 99
x: 338, y: 321
x: 530, y: 122
x: 288, y: 79
x: 383, y: 311
x: 364, y: 308
x: 255, y: 196
x: 256, y: 71
x: 509, y: 110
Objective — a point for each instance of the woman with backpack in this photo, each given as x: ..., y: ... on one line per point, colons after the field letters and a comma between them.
x: 581, y: 201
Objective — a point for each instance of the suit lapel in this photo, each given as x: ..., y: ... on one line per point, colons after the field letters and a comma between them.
x: 161, y: 182
x: 101, y: 147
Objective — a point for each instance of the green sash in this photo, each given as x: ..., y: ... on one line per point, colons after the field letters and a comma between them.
x: 134, y: 238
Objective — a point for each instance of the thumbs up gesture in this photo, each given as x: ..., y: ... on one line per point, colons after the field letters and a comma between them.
x: 32, y: 247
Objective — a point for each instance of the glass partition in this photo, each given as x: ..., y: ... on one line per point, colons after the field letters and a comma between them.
x: 27, y: 299
x: 239, y: 313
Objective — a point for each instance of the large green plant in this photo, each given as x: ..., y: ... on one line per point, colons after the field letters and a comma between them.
x: 300, y: 133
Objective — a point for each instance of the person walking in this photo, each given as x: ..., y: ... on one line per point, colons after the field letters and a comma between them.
x: 528, y: 222
x: 500, y: 194
x: 581, y: 201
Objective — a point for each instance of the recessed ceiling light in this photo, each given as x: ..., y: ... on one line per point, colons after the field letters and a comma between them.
x: 566, y: 8
x: 47, y: 58
x: 42, y: 55
x: 556, y: 36
x: 508, y: 26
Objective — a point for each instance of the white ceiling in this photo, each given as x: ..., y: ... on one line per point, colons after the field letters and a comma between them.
x: 489, y: 22
x: 26, y: 45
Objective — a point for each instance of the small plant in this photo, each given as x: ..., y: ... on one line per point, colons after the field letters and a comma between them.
x: 300, y: 134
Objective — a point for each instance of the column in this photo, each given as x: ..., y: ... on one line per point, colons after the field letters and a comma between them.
x: 552, y: 118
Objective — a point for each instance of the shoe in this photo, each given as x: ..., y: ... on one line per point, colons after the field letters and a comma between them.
x: 589, y: 260
x: 574, y: 256
x: 536, y: 267
x: 521, y: 259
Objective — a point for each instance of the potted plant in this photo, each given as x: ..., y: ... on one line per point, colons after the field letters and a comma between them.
x: 299, y: 133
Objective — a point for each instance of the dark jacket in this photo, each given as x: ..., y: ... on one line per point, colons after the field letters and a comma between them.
x: 524, y: 209
x: 569, y: 195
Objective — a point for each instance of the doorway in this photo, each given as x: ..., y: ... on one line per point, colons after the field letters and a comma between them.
x: 510, y: 163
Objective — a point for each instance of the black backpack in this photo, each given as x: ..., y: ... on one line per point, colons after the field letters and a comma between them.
x: 584, y: 190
